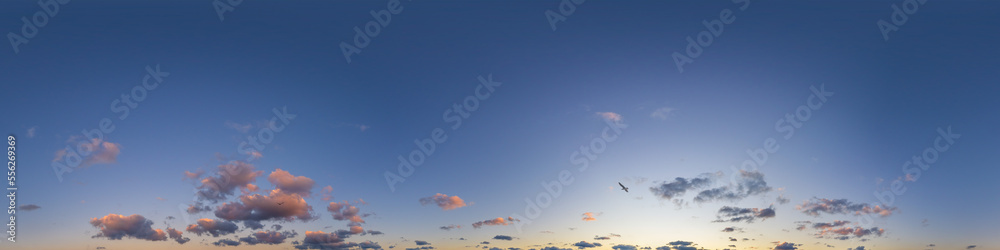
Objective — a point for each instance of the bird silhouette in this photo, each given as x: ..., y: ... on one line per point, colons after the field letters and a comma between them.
x: 623, y: 187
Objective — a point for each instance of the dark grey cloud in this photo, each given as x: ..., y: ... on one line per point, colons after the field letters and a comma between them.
x: 212, y: 227
x: 669, y: 190
x: 226, y: 242
x: 584, y: 244
x: 786, y: 246
x: 28, y: 207
x: 502, y: 237
x: 421, y: 243
x: 267, y: 237
x: 748, y: 215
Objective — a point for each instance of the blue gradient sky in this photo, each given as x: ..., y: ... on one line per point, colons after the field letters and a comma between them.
x: 607, y: 60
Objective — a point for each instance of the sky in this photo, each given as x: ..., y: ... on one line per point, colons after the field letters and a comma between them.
x: 737, y: 124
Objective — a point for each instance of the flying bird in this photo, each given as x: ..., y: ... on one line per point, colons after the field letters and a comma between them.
x: 623, y: 187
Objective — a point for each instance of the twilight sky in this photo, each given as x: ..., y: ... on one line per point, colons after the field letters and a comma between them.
x: 736, y: 124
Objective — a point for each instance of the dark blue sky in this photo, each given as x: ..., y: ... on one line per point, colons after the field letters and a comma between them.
x: 609, y: 66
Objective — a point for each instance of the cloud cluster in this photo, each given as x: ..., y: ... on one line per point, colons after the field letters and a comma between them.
x: 786, y: 246
x: 230, y: 176
x: 444, y: 201
x: 749, y: 183
x: 259, y: 207
x: 817, y: 206
x: 748, y: 215
x: 267, y: 237
x: 177, y: 235
x: 116, y: 227
x: 322, y: 240
x: 345, y: 211
x: 212, y: 227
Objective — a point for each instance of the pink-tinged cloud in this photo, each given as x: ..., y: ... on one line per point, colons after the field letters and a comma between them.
x: 588, y: 216
x: 345, y: 211
x: 499, y: 221
x: 212, y: 227
x: 611, y: 116
x: 230, y: 176
x: 841, y: 206
x: 193, y: 175
x: 291, y: 184
x: 116, y: 227
x: 327, y: 193
x: 90, y: 152
x: 444, y: 201
x: 259, y: 207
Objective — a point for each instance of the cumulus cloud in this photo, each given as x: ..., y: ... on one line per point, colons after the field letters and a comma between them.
x: 336, y: 240
x: 230, y: 176
x: 94, y: 151
x: 226, y: 242
x: 588, y: 216
x: 116, y: 227
x: 786, y: 246
x: 499, y: 221
x: 502, y: 237
x: 732, y: 229
x: 288, y: 183
x: 345, y: 211
x: 177, y: 235
x: 817, y: 206
x: 679, y: 186
x: 749, y: 183
x: 584, y: 244
x: 624, y: 247
x: 421, y: 243
x: 444, y: 201
x: 212, y: 227
x: 748, y: 215
x: 258, y: 207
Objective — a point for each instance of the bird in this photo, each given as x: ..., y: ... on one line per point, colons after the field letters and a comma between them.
x: 623, y: 187
x: 279, y: 203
